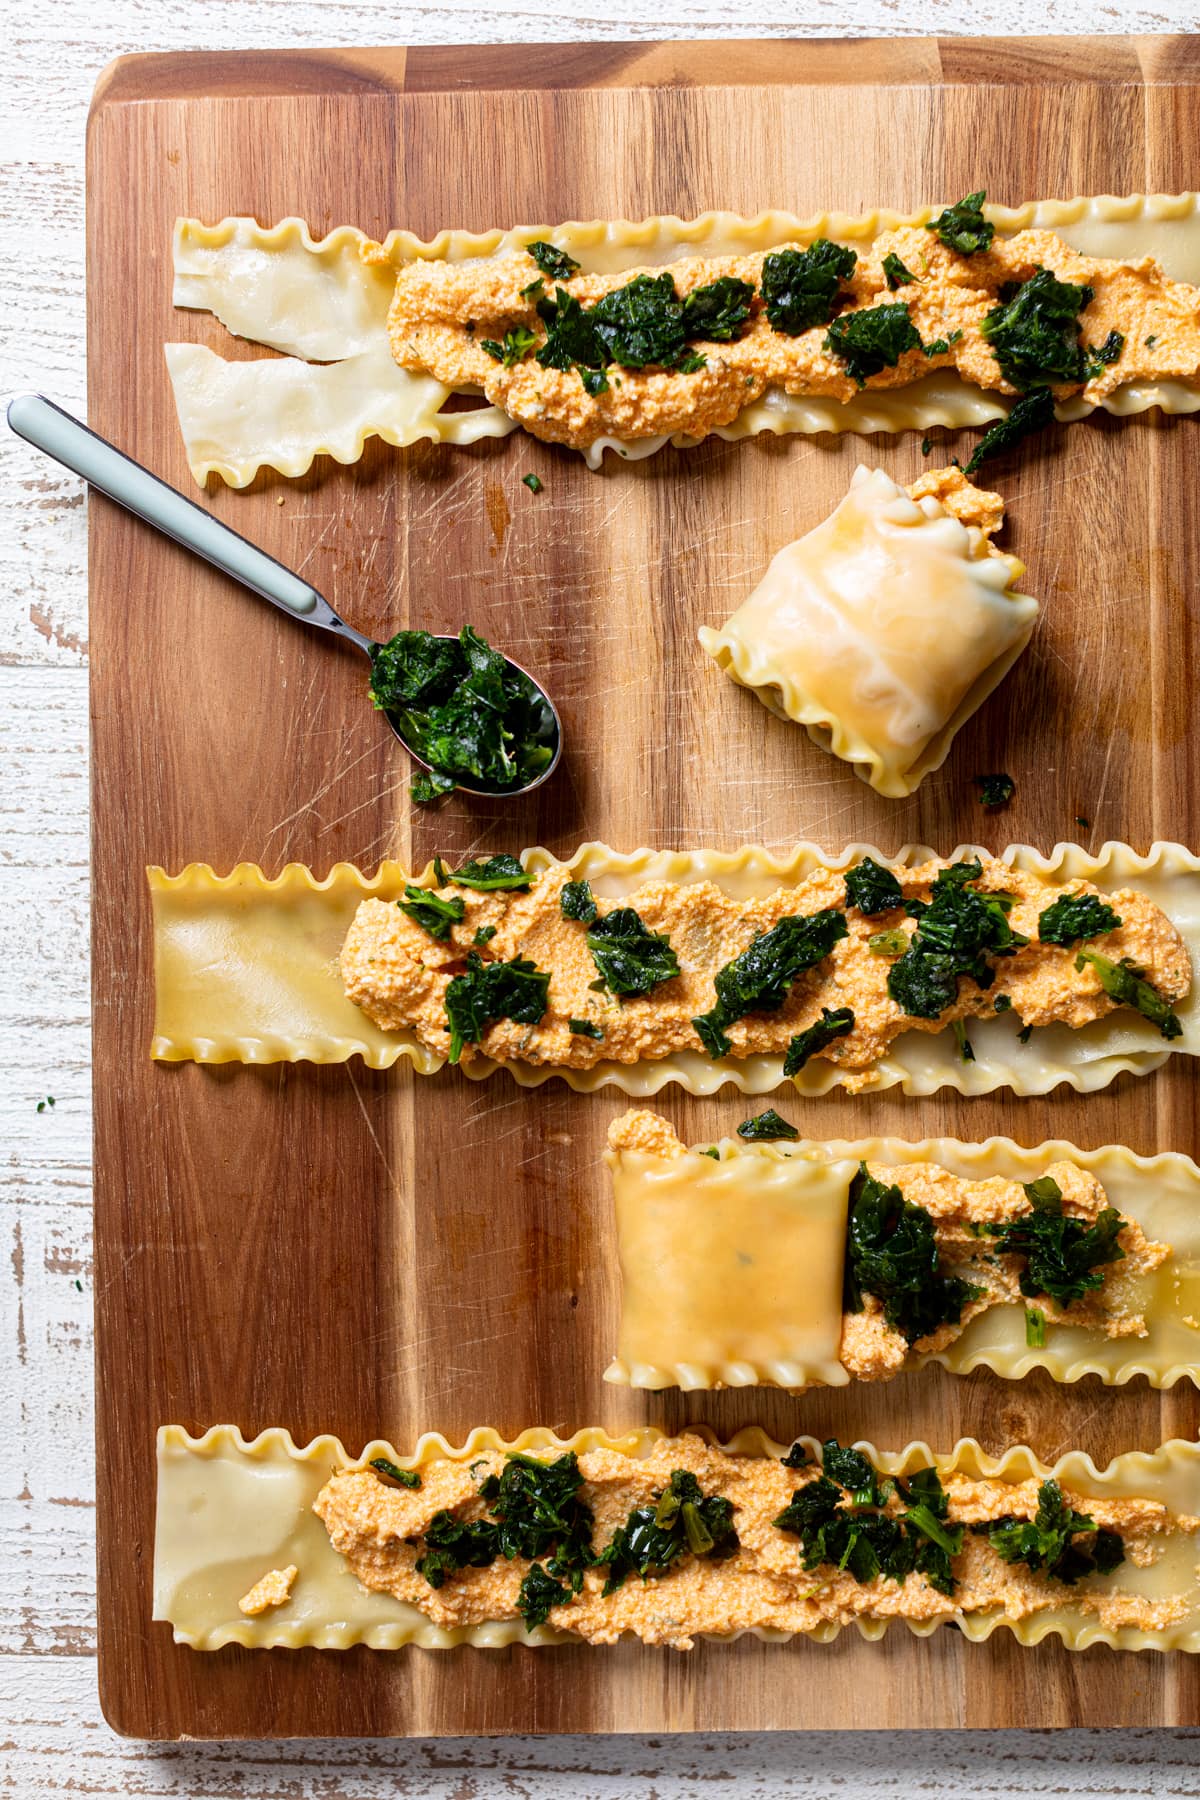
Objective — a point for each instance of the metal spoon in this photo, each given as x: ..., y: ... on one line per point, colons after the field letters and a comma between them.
x: 100, y: 463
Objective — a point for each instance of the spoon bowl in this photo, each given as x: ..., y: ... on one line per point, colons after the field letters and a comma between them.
x: 117, y: 475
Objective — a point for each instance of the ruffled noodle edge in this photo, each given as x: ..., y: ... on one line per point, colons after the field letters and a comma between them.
x: 920, y: 1063
x: 1135, y: 1473
x: 994, y: 1156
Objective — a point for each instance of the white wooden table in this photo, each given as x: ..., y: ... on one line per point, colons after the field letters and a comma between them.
x: 53, y: 1740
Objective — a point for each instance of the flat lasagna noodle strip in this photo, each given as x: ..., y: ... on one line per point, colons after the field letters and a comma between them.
x: 280, y: 286
x: 688, y: 1230
x: 229, y: 1508
x: 246, y: 971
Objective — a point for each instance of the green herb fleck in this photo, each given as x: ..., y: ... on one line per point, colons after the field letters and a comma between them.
x: 584, y: 1028
x: 962, y: 227
x: 484, y: 935
x: 1002, y: 1003
x: 1151, y: 341
x: 926, y: 446
x: 1098, y: 357
x: 533, y: 483
x: 766, y: 1128
x: 47, y: 1102
x: 517, y: 344
x: 888, y: 943
x: 1083, y: 824
x: 714, y: 1153
x: 1073, y: 918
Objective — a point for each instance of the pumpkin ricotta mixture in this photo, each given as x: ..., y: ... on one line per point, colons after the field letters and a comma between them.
x: 543, y: 971
x: 693, y: 1540
x: 574, y: 356
x: 1054, y: 1245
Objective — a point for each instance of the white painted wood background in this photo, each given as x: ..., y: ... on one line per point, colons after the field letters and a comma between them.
x: 53, y: 1740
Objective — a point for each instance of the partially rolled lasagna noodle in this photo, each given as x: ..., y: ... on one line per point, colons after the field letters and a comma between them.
x: 230, y: 1511
x: 731, y: 1267
x: 883, y: 629
x: 246, y: 970
x: 321, y: 303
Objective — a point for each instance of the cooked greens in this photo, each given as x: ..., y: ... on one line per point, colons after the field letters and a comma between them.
x: 758, y: 980
x: 995, y: 791
x: 485, y: 992
x: 872, y: 888
x: 1074, y: 917
x: 962, y: 227
x: 1034, y: 331
x: 1047, y: 1541
x: 1029, y: 413
x: 718, y: 310
x: 629, y: 958
x: 840, y: 1520
x: 894, y: 271
x: 956, y: 934
x: 464, y: 710
x: 517, y: 343
x: 498, y: 873
x: 892, y: 1253
x: 682, y: 1521
x: 430, y: 911
x: 767, y: 1128
x: 872, y: 339
x: 800, y: 287
x: 576, y: 901
x: 584, y: 1028
x: 406, y: 1478
x: 832, y: 1024
x: 552, y: 261
x: 1064, y: 1256
x: 1128, y: 987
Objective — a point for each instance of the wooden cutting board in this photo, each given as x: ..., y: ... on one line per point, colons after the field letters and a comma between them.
x: 332, y: 1249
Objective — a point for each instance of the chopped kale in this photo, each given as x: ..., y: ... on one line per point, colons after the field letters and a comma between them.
x: 840, y: 1522
x: 1127, y: 986
x: 891, y: 1252
x: 872, y: 888
x: 766, y: 1128
x: 533, y: 483
x: 540, y: 1514
x: 758, y: 980
x: 552, y: 261
x: 576, y: 901
x: 1072, y: 918
x: 940, y: 346
x: 465, y: 710
x: 872, y: 339
x: 926, y: 446
x: 1002, y: 1003
x: 571, y: 340
x: 535, y: 290
x: 584, y: 1028
x: 962, y: 227
x: 641, y: 323
x: 714, y: 1153
x: 718, y: 310
x: 995, y: 791
x: 1035, y: 1328
x: 1029, y: 413
x: 1064, y: 1256
x: 1034, y: 333
x: 430, y: 911
x: 486, y: 992
x: 956, y: 934
x: 537, y: 1593
x: 1025, y: 1033
x: 965, y: 1052
x: 888, y: 943
x: 630, y: 959
x: 800, y: 287
x: 406, y: 1478
x: 517, y: 344
x: 502, y: 872
x: 483, y: 936
x: 1097, y: 358
x: 452, y: 1543
x: 683, y: 1520
x: 832, y: 1024
x: 796, y: 1458
x: 427, y: 787
x: 1046, y: 1542
x: 895, y: 273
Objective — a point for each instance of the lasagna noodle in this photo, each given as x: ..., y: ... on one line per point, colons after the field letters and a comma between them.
x: 229, y: 1509
x: 732, y: 1270
x: 313, y: 300
x: 880, y: 631
x: 246, y: 971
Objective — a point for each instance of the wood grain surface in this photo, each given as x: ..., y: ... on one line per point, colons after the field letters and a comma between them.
x: 339, y: 1250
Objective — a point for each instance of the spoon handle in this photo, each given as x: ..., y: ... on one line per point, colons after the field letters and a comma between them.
x: 103, y: 466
